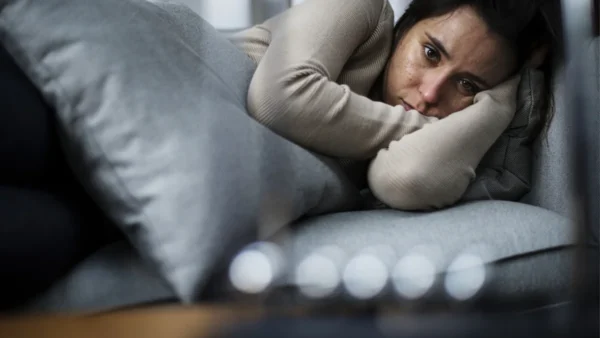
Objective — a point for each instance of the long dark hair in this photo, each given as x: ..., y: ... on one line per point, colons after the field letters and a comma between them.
x: 526, y: 25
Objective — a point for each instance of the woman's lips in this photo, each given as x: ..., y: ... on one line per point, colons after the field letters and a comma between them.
x: 406, y: 105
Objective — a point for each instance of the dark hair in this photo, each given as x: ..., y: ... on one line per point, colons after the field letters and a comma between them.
x: 525, y: 25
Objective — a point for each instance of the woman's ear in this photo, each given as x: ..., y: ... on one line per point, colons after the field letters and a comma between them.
x: 537, y: 58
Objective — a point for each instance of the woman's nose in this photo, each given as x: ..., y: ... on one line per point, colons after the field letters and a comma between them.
x: 432, y: 86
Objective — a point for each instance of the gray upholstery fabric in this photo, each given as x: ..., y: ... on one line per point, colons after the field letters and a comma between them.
x: 505, y: 171
x: 113, y: 277
x: 530, y: 247
x: 552, y: 186
x: 508, y: 231
x: 150, y: 101
x: 552, y: 173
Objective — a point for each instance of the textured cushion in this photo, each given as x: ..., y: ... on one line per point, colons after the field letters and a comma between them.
x: 505, y: 171
x: 530, y: 248
x: 524, y: 241
x: 150, y: 101
x: 553, y: 176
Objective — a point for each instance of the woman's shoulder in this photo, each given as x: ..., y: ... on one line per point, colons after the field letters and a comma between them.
x: 378, y: 12
x: 320, y: 18
x: 374, y: 12
x: 369, y: 8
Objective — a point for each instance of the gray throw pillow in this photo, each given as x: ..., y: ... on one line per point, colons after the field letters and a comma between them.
x: 504, y: 173
x: 150, y: 102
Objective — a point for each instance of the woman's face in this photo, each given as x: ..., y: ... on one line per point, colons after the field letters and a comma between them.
x: 441, y: 63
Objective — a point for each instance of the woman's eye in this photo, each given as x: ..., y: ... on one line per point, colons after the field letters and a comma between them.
x: 468, y: 87
x: 431, y: 54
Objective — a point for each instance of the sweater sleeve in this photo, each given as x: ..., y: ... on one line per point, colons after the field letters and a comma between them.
x: 294, y: 90
x: 432, y: 167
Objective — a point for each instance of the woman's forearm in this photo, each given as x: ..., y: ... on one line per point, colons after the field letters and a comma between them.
x: 431, y: 168
x: 329, y: 118
x: 296, y: 90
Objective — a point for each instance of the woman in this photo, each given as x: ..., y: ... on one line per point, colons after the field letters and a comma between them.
x: 422, y: 101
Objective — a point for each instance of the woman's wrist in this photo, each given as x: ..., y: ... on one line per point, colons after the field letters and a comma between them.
x: 500, y: 100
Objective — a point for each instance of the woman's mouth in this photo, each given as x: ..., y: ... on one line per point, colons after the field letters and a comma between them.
x: 406, y: 105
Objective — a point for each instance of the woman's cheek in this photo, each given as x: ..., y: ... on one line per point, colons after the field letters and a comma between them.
x: 412, y: 66
x: 403, y: 77
x: 462, y: 103
x: 405, y: 73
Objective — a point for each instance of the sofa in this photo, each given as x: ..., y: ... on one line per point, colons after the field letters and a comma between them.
x: 530, y: 244
x: 533, y: 241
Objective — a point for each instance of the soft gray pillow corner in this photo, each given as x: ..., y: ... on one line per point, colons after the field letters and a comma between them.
x: 504, y: 173
x: 150, y: 103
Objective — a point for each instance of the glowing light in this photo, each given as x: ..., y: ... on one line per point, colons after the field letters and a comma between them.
x: 365, y: 276
x: 317, y: 276
x: 255, y: 268
x: 466, y: 276
x: 413, y: 276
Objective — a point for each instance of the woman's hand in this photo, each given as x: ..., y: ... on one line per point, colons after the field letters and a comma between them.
x: 432, y: 167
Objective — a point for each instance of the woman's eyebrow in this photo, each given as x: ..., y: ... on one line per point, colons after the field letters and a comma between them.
x: 439, y: 45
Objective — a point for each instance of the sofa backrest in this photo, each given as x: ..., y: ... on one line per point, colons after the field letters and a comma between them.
x: 553, y: 177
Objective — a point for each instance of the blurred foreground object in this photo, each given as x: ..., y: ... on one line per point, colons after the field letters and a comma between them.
x: 582, y: 93
x: 248, y: 322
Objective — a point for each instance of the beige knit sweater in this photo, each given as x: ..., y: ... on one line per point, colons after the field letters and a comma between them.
x: 317, y: 63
